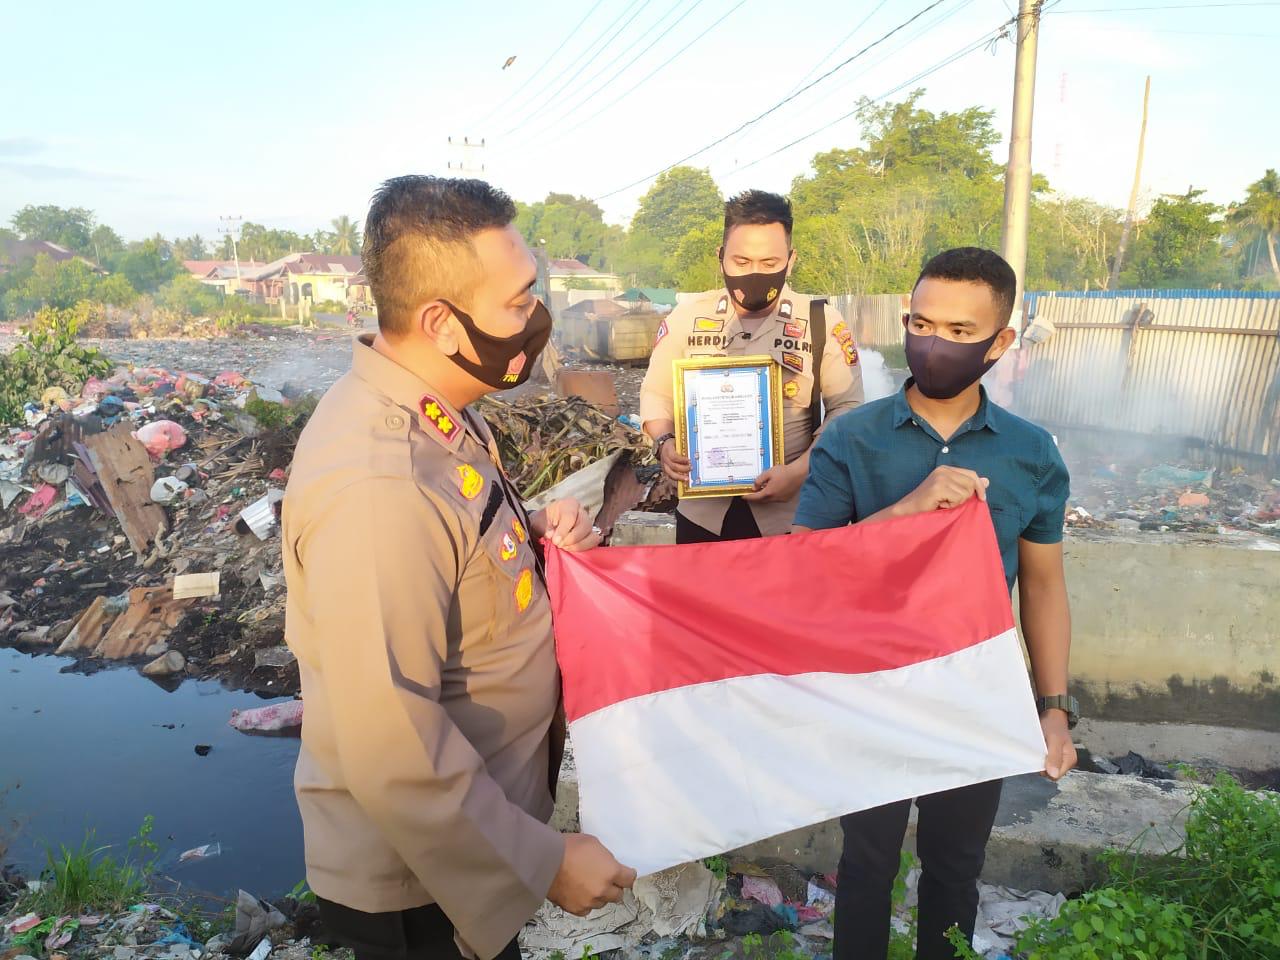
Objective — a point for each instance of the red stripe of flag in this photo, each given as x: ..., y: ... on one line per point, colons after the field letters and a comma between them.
x: 678, y: 616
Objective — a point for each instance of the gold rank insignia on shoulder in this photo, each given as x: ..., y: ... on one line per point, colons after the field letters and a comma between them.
x: 708, y: 325
x: 518, y: 529
x: 524, y: 590
x: 723, y: 305
x: 785, y: 310
x: 436, y: 415
x: 470, y: 483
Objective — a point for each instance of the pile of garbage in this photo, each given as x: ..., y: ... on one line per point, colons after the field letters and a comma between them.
x: 544, y: 439
x: 139, y: 522
x: 1166, y: 497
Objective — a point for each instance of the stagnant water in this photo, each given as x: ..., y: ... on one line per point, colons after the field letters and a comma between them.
x: 97, y: 752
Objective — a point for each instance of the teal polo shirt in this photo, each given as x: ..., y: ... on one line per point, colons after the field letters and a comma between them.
x: 874, y: 455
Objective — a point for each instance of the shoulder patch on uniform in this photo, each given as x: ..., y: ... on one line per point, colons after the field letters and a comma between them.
x: 796, y: 329
x: 722, y: 306
x: 844, y: 337
x: 708, y: 325
x: 518, y: 529
x: 470, y: 483
x: 794, y: 361
x: 785, y: 310
x: 662, y: 332
x: 435, y: 414
x: 524, y: 590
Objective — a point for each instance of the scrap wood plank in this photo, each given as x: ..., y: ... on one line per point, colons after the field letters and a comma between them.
x: 126, y: 474
x: 152, y: 615
x: 594, y: 386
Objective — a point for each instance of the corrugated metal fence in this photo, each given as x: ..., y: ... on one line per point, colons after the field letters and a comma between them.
x: 1203, y: 365
x: 877, y: 319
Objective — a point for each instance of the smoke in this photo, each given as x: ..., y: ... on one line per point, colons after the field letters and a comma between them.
x: 877, y: 381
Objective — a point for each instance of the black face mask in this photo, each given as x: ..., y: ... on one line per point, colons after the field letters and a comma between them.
x: 505, y: 362
x: 754, y: 292
x: 943, y: 368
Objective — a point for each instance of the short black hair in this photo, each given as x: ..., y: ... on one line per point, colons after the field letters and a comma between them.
x: 976, y: 265
x: 758, y: 208
x: 417, y: 242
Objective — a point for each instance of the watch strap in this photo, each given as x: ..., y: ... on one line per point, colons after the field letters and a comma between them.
x: 1064, y: 702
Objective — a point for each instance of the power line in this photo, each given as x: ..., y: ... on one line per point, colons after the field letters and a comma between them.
x: 639, y: 9
x: 630, y: 63
x: 987, y: 38
x: 780, y: 104
x: 847, y: 37
x: 660, y: 67
x: 514, y: 93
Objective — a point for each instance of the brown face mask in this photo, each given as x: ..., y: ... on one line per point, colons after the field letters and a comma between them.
x: 505, y: 362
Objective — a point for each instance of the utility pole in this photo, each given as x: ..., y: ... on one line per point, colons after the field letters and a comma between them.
x: 1017, y: 179
x: 231, y: 227
x: 1132, y: 212
x: 470, y: 155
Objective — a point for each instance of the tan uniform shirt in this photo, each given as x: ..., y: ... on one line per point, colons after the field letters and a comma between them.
x: 423, y: 635
x: 710, y: 327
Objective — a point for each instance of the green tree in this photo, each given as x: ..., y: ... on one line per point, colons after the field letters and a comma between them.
x: 190, y: 248
x: 573, y: 228
x: 681, y: 200
x: 1179, y: 245
x: 115, y: 290
x: 186, y: 294
x: 694, y: 262
x: 148, y: 264
x: 105, y: 246
x: 1258, y: 217
x: 346, y: 237
x: 260, y: 243
x: 71, y: 227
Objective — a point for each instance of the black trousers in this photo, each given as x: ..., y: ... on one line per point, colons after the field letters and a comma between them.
x: 423, y: 933
x: 739, y: 524
x: 951, y: 838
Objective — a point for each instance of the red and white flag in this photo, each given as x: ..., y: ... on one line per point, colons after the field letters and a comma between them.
x: 719, y: 694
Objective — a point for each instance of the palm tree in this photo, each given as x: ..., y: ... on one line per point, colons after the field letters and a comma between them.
x: 1260, y: 214
x: 346, y: 236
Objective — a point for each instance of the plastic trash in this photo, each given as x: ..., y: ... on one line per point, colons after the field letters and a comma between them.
x: 168, y: 490
x: 201, y: 853
x: 261, y: 951
x: 260, y: 516
x: 1166, y: 475
x: 178, y: 933
x: 161, y: 436
x: 38, y: 503
x: 230, y: 379
x: 762, y: 890
x: 54, y: 397
x: 277, y: 716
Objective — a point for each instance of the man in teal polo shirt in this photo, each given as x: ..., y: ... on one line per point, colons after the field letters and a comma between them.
x: 932, y: 446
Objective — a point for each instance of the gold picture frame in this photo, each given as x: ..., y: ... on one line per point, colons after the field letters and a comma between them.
x: 772, y: 449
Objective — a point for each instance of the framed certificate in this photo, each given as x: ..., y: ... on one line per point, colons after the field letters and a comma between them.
x: 728, y: 422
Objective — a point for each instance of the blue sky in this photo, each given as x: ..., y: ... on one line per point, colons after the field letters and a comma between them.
x: 166, y: 116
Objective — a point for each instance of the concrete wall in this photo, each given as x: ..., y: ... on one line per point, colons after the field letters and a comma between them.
x: 1165, y: 627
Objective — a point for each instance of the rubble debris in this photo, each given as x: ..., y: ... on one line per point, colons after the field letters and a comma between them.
x: 151, y: 615
x: 280, y: 656
x: 123, y: 468
x: 254, y: 920
x: 203, y: 749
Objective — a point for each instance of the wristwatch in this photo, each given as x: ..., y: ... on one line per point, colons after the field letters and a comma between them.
x: 657, y: 444
x: 1066, y: 703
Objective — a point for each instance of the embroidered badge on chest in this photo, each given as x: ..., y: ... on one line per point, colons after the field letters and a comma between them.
x: 508, y: 547
x: 524, y: 590
x: 434, y: 413
x: 790, y: 389
x: 470, y: 483
x: 796, y: 330
x: 518, y: 529
x: 708, y: 325
x: 794, y: 361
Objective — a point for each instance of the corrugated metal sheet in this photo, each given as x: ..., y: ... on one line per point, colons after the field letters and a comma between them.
x: 876, y: 320
x: 1195, y: 364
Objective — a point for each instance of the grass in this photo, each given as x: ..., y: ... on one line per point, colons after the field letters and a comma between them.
x: 89, y: 879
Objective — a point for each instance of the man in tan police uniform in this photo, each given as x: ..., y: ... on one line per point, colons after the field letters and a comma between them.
x: 417, y: 610
x: 756, y: 313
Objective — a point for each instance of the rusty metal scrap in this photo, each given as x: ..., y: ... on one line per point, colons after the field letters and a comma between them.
x: 542, y: 440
